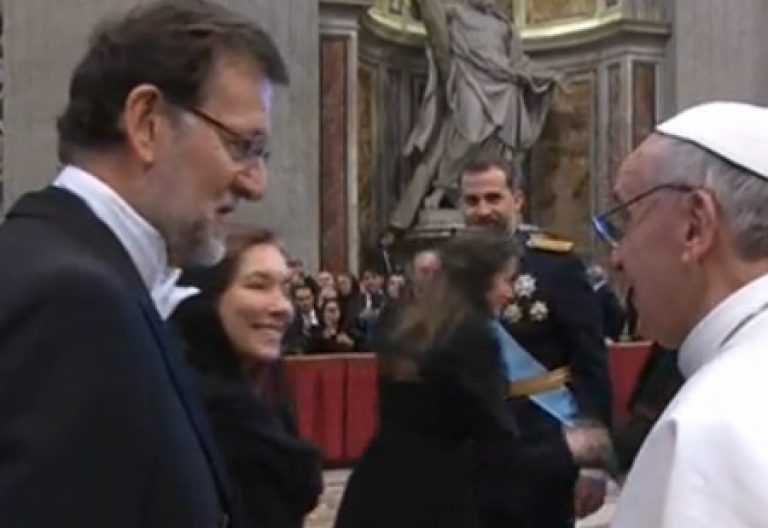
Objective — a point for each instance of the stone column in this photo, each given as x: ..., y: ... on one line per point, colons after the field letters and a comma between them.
x: 339, y: 240
x: 42, y: 43
x: 717, y: 52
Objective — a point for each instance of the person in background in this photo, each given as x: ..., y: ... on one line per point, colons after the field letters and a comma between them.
x: 379, y: 282
x: 426, y: 264
x: 348, y: 289
x: 368, y: 304
x: 325, y: 279
x: 395, y: 287
x: 305, y: 321
x: 299, y: 276
x: 233, y: 330
x: 347, y: 285
x: 327, y: 293
x: 331, y: 336
x: 166, y: 128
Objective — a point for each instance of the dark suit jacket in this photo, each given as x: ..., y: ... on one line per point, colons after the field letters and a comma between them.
x: 568, y: 331
x: 297, y: 340
x: 97, y: 426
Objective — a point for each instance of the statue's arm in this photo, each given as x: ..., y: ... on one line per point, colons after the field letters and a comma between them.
x: 435, y: 17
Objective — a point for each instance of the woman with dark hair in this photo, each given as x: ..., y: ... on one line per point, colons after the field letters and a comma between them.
x: 233, y: 329
x: 331, y: 336
x: 442, y: 395
x: 347, y: 287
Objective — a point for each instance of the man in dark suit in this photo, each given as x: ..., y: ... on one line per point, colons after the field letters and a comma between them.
x: 555, y: 318
x: 165, y: 129
x: 306, y: 321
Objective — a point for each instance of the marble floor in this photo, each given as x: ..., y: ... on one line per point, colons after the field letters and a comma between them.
x: 335, y: 480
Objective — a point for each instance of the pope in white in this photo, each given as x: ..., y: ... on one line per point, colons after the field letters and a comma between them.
x: 690, y: 234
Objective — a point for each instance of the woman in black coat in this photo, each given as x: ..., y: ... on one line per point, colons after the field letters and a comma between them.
x: 233, y: 330
x: 442, y: 396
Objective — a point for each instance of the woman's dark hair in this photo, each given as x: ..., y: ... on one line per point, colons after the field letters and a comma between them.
x: 171, y: 44
x: 459, y: 290
x: 325, y: 305
x: 353, y: 281
x: 197, y: 318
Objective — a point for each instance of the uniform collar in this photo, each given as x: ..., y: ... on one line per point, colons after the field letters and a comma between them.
x: 142, y: 242
x: 705, y: 342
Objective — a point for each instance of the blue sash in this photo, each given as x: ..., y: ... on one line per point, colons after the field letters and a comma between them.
x: 520, y: 365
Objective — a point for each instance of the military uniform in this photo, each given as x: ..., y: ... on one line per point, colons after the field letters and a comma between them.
x: 556, y: 318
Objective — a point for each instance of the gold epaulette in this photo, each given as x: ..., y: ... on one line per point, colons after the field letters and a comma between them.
x: 546, y: 242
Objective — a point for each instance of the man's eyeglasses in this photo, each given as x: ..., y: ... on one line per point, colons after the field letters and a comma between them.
x: 611, y: 226
x: 240, y: 148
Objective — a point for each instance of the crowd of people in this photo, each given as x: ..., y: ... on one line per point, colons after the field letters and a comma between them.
x: 140, y: 379
x: 338, y: 313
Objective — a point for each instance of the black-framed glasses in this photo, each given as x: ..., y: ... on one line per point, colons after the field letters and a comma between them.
x: 611, y: 226
x: 240, y: 148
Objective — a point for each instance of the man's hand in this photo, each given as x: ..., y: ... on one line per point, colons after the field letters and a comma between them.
x: 590, y: 492
x: 344, y: 339
x: 591, y: 447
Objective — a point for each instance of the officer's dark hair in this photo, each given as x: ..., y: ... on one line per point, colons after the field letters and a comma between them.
x: 485, y: 161
x: 303, y: 286
x: 171, y: 44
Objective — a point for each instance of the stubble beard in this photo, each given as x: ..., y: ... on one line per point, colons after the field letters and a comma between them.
x: 197, y: 243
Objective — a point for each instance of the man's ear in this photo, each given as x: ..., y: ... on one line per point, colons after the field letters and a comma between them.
x: 518, y: 198
x: 703, y: 222
x: 143, y: 117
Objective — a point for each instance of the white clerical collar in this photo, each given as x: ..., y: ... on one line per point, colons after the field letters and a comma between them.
x: 705, y: 341
x: 143, y: 242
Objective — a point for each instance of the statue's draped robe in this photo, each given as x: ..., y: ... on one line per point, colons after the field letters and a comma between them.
x: 493, y: 96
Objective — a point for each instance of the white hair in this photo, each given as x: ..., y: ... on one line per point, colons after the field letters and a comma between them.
x: 426, y: 257
x: 742, y: 194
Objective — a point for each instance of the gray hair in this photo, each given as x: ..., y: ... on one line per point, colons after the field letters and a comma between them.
x: 742, y: 194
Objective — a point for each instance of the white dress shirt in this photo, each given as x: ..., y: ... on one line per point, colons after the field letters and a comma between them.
x: 705, y: 463
x: 143, y: 243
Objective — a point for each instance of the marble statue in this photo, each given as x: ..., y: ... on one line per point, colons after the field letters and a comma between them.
x: 483, y: 92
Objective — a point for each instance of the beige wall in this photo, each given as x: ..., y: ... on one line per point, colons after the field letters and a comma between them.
x: 717, y: 51
x: 44, y: 39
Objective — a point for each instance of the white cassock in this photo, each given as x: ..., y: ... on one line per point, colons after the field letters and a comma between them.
x: 705, y: 463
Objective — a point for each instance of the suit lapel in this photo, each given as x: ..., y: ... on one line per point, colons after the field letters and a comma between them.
x: 73, y: 217
x: 179, y: 377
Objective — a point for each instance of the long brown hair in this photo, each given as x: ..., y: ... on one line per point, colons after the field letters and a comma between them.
x: 209, y: 348
x: 458, y: 292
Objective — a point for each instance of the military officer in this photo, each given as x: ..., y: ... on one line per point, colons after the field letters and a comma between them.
x: 557, y: 362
